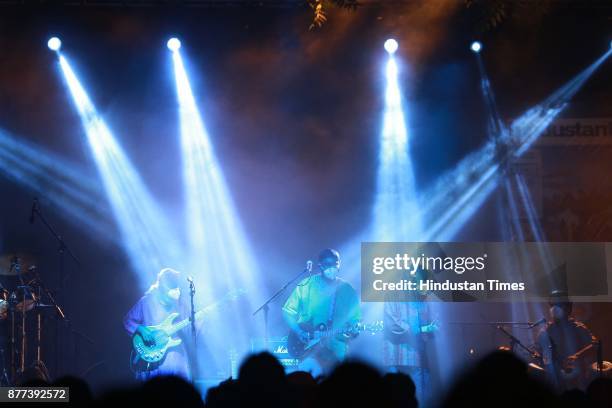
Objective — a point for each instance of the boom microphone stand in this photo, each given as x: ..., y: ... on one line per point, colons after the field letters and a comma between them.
x: 61, y: 250
x: 265, y: 306
x: 514, y: 341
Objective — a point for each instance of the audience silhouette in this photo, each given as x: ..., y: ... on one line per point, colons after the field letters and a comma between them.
x: 498, y: 380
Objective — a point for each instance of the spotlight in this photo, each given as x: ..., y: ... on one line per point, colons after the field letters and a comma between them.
x: 476, y: 46
x: 54, y: 43
x: 391, y: 46
x: 174, y: 44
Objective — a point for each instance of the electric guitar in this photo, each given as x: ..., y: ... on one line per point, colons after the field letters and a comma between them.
x: 300, y: 348
x: 573, y: 371
x: 151, y: 354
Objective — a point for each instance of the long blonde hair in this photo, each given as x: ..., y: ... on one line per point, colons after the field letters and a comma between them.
x: 160, y: 276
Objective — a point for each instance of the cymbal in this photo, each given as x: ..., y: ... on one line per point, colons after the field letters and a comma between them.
x: 7, y: 263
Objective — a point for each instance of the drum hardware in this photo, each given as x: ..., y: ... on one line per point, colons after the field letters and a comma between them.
x: 18, y: 304
x: 10, y: 264
x: 4, y: 377
x: 4, y: 303
x: 605, y: 370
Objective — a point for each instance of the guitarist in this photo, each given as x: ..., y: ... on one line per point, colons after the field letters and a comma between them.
x: 408, y: 327
x: 567, y: 346
x: 163, y: 297
x: 326, y: 299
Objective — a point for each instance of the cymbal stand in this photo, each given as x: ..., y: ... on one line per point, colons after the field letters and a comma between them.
x: 38, y: 329
x: 23, y: 331
x: 12, y: 304
x: 4, y: 378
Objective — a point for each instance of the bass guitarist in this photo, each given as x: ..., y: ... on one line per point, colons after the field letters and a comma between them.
x: 325, y: 300
x: 162, y: 298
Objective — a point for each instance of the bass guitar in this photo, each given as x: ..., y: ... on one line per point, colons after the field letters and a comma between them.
x: 151, y: 354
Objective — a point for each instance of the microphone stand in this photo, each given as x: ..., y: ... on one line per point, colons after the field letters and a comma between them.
x: 266, y: 308
x: 192, y: 312
x: 599, y: 358
x: 192, y: 291
x: 61, y: 250
x: 514, y: 341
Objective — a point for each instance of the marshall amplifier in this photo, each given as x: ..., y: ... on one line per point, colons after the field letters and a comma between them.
x: 277, y: 346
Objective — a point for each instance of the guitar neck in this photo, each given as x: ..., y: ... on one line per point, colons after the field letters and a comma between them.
x: 186, y: 322
x: 583, y: 350
x: 335, y: 332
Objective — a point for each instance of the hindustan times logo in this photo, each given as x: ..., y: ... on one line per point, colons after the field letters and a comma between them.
x: 412, y: 264
x: 580, y: 128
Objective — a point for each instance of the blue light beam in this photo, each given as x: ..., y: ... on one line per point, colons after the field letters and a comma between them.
x: 148, y: 238
x: 395, y: 200
x: 53, y: 179
x: 458, y: 194
x: 219, y: 250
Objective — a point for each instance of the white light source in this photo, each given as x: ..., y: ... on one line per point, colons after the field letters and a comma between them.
x: 391, y: 46
x: 54, y: 43
x: 174, y: 44
x: 476, y: 46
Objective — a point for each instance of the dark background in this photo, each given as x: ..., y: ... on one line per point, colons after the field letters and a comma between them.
x: 294, y: 116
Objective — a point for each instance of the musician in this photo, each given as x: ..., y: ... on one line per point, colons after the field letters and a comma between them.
x: 328, y: 299
x: 163, y: 297
x: 560, y: 341
x: 409, y: 325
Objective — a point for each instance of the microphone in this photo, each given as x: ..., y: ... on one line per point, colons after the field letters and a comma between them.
x: 34, y: 210
x: 191, y: 284
x: 539, y: 322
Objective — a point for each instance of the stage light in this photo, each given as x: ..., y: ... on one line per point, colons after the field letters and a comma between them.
x: 476, y: 46
x: 54, y: 43
x: 147, y: 236
x: 395, y: 185
x: 391, y: 46
x: 174, y: 44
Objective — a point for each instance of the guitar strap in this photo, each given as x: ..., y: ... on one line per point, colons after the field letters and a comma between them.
x: 332, y: 310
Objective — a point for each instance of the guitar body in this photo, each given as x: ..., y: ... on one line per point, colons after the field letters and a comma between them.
x: 154, y: 353
x: 297, y: 348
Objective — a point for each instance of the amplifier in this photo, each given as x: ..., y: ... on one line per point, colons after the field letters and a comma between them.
x: 277, y: 346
